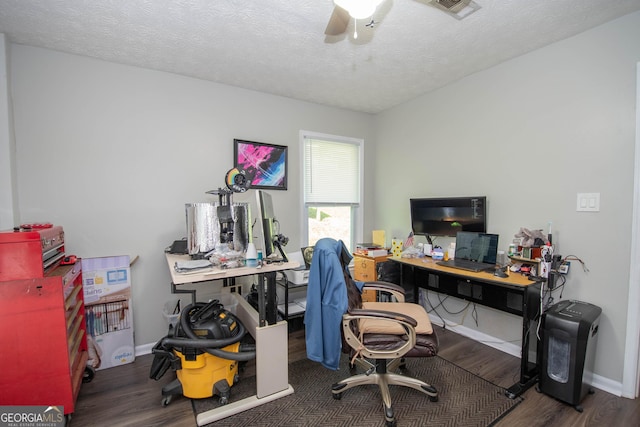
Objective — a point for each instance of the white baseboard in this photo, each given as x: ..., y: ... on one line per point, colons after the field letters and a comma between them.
x: 599, y: 382
x: 475, y: 335
x: 143, y: 349
x: 608, y: 385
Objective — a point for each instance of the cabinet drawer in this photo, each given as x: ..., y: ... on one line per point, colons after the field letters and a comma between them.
x: 70, y: 276
x: 74, y: 345
x: 73, y: 335
x: 72, y: 299
x: 74, y: 317
x: 365, y: 269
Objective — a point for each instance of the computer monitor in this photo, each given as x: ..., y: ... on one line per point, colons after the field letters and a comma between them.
x: 268, y: 233
x: 445, y: 216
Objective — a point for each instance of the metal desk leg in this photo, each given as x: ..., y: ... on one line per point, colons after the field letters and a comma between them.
x: 175, y: 290
x: 272, y: 306
x: 528, y: 374
x: 272, y: 366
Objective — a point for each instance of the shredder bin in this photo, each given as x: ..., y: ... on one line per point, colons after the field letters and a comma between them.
x: 570, y: 334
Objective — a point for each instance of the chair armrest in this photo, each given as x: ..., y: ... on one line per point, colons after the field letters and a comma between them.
x: 353, y: 317
x: 380, y: 314
x: 391, y: 288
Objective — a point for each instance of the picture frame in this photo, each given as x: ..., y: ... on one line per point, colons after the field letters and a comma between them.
x: 265, y: 164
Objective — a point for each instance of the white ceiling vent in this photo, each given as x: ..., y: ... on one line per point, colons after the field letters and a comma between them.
x: 449, y: 4
x: 459, y: 9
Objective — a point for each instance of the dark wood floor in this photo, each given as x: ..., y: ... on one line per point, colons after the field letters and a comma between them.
x: 125, y: 396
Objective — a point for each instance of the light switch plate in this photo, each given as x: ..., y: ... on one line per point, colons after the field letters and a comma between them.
x: 588, y: 202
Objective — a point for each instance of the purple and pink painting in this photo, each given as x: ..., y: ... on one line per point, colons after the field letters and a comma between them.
x: 265, y: 164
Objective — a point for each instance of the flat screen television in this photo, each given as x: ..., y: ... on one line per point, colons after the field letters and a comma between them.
x: 445, y: 216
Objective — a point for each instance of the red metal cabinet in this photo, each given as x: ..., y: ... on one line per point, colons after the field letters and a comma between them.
x: 43, y: 339
x: 29, y: 253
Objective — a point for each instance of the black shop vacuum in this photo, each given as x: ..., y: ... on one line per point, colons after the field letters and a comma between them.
x: 204, y: 349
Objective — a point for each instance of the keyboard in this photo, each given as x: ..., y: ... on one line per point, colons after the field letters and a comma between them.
x: 464, y: 264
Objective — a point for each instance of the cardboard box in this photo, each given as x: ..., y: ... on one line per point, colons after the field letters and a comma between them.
x: 108, y: 311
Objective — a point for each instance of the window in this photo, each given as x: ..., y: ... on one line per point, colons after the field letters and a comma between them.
x: 332, y: 175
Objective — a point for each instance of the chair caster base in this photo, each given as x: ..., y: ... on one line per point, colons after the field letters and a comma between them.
x: 389, y: 418
x: 336, y: 390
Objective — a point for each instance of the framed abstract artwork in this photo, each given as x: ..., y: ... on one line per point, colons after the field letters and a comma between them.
x: 264, y: 164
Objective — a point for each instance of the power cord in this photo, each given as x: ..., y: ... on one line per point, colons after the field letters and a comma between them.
x: 575, y: 258
x: 441, y: 301
x: 464, y: 310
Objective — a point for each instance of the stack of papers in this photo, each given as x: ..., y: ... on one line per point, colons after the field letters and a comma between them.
x: 295, y: 307
x: 192, y: 265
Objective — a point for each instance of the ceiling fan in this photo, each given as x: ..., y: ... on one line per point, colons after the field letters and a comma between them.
x: 345, y: 10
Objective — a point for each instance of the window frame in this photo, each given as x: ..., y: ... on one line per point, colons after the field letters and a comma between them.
x: 357, y: 225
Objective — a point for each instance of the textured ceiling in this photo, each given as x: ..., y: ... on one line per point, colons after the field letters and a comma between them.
x: 279, y: 46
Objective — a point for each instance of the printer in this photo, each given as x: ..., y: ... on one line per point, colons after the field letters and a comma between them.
x: 300, y: 275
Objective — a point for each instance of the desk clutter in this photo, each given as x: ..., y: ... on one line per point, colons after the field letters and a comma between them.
x: 529, y: 253
x: 218, y: 234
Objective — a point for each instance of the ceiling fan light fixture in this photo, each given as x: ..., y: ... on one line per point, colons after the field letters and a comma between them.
x: 359, y: 9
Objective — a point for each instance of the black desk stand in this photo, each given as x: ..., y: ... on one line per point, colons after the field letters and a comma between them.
x: 514, y: 294
x: 271, y: 335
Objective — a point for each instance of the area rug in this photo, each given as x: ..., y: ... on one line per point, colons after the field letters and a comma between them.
x: 464, y: 399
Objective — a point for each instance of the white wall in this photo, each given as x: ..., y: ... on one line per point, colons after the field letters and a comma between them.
x: 530, y: 134
x: 112, y: 153
x: 7, y: 147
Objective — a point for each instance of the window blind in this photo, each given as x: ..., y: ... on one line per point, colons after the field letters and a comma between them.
x: 331, y: 172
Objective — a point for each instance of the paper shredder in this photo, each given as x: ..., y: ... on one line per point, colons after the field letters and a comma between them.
x: 570, y: 334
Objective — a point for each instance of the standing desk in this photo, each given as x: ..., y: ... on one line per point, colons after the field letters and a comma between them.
x: 272, y: 364
x: 515, y: 294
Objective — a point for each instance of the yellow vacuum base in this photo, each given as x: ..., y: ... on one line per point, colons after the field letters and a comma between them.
x: 201, y: 378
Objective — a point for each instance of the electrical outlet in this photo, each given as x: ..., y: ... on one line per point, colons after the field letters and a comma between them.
x: 564, y: 268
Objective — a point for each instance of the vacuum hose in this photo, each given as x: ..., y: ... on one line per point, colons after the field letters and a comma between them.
x: 211, y: 346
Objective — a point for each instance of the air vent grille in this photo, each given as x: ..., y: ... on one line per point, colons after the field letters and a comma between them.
x: 459, y: 9
x: 450, y: 4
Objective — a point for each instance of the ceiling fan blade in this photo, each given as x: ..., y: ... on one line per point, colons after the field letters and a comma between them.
x: 338, y: 22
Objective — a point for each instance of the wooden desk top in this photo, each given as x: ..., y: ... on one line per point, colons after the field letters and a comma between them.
x: 514, y: 279
x: 216, y: 273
